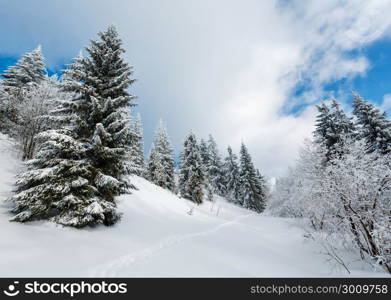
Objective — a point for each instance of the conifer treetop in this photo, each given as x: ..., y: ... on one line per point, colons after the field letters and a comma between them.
x: 28, y: 71
x: 104, y: 73
x: 373, y: 125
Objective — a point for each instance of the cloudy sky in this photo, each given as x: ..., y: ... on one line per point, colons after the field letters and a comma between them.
x: 247, y: 70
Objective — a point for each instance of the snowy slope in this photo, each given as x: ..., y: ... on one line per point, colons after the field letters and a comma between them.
x: 157, y: 237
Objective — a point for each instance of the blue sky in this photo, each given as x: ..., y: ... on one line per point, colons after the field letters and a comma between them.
x: 372, y: 85
x: 6, y: 61
x: 377, y: 80
x: 247, y: 71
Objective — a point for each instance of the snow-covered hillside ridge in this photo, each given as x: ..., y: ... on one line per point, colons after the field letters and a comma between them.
x: 160, y: 235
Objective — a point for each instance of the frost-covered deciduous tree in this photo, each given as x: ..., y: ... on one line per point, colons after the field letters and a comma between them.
x: 360, y: 183
x: 253, y: 195
x: 302, y: 188
x: 191, y: 176
x: 33, y: 114
x: 232, y: 177
x: 348, y: 199
x: 161, y: 162
x: 282, y: 202
x: 80, y: 167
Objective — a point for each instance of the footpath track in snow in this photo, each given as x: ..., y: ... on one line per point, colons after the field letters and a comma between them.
x: 110, y: 269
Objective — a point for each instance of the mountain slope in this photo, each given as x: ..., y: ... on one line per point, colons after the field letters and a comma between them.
x: 157, y: 236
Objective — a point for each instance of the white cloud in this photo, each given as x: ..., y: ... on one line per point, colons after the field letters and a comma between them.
x: 225, y: 66
x: 312, y: 43
x: 386, y: 105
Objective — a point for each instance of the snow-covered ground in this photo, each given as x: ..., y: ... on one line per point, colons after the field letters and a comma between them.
x: 158, y: 237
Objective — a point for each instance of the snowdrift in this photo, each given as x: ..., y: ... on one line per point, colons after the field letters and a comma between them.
x: 160, y: 235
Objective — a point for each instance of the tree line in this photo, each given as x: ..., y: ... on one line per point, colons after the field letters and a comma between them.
x: 203, y: 174
x: 80, y: 143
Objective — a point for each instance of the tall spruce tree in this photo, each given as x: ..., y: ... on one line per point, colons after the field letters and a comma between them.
x: 204, y: 153
x: 253, y: 195
x: 373, y: 126
x: 214, y: 168
x: 205, y: 159
x: 191, y: 176
x: 232, y: 177
x: 137, y: 147
x: 80, y: 168
x: 263, y: 182
x: 161, y: 162
x: 332, y: 129
x: 102, y: 102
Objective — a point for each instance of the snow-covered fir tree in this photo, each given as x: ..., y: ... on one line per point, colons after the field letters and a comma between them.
x: 332, y: 128
x: 263, y: 182
x: 204, y: 153
x: 191, y: 176
x: 102, y: 102
x: 59, y: 185
x: 373, y: 126
x: 253, y: 195
x: 28, y: 71
x: 232, y: 177
x: 214, y: 168
x: 161, y: 162
x: 80, y: 168
x: 137, y: 147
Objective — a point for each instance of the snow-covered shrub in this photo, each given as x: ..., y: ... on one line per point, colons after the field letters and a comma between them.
x: 347, y: 200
